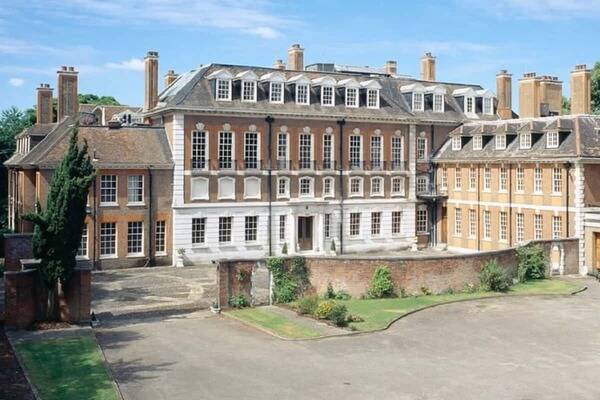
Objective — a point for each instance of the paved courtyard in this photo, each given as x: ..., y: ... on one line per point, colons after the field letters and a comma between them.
x: 509, y: 348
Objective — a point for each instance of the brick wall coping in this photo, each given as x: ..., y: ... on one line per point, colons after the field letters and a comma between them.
x: 22, y: 272
x: 17, y: 235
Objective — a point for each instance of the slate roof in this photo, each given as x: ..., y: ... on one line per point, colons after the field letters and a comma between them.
x: 579, y: 137
x: 122, y: 148
x: 193, y: 91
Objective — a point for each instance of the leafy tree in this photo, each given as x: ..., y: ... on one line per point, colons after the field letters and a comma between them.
x: 596, y: 88
x: 97, y: 100
x: 566, y: 106
x: 58, y: 228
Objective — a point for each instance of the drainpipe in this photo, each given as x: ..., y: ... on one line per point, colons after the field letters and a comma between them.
x: 94, y: 227
x: 478, y: 207
x: 510, y: 243
x: 341, y: 123
x: 150, y: 221
x: 269, y: 121
x: 568, y: 166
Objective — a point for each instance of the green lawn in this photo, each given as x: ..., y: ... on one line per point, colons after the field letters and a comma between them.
x: 378, y: 314
x: 275, y: 323
x: 67, y: 369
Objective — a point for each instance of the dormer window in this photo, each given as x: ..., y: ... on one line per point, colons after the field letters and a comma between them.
x: 434, y: 98
x: 487, y: 105
x: 414, y: 94
x: 456, y: 143
x: 302, y: 84
x: 249, y: 91
x: 276, y: 92
x: 327, y: 85
x: 552, y: 139
x: 500, y: 142
x: 373, y: 87
x: 477, y: 142
x: 417, y: 101
x: 469, y: 104
x: 487, y: 101
x: 222, y: 86
x: 438, y: 102
x: 525, y: 141
x: 466, y: 97
x: 351, y: 97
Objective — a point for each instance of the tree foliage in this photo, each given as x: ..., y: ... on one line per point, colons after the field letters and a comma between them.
x: 596, y: 88
x: 97, y: 100
x: 58, y: 227
x: 566, y: 106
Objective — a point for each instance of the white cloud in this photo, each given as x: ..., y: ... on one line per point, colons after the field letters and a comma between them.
x: 134, y: 64
x: 22, y: 47
x: 16, y: 82
x: 264, y: 32
x: 542, y: 10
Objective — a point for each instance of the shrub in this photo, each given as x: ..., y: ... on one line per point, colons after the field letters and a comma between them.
x: 494, y: 278
x: 324, y: 308
x: 381, y: 284
x: 337, y: 315
x: 354, y: 318
x: 342, y: 295
x: 329, y: 292
x: 307, y: 304
x: 425, y: 290
x: 284, y: 249
x: 532, y: 263
x: 242, y: 275
x: 238, y: 301
x: 288, y: 283
x: 470, y: 287
x: 333, y: 250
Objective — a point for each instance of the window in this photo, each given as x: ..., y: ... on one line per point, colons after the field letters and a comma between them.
x: 305, y: 150
x: 477, y: 142
x: 160, y: 234
x: 354, y: 224
x: 327, y: 96
x: 108, y: 189
x: 525, y: 140
x: 552, y: 141
x: 251, y: 150
x: 502, y: 234
x: 372, y: 98
x: 252, y: 188
x: 375, y: 223
x: 457, y: 222
x: 520, y: 229
x: 198, y: 150
x: 520, y: 179
x: 199, y: 188
x: 306, y: 187
x: 470, y: 104
x: 398, y: 186
x: 556, y: 180
x: 472, y: 178
x: 328, y: 184
x: 537, y: 180
x: 108, y: 239
x: 283, y: 187
x: 396, y: 222
x: 421, y: 224
x: 226, y: 188
x: 225, y: 150
x: 556, y: 227
x: 503, y: 184
x: 135, y: 237
x: 327, y: 151
x: 82, y: 251
x: 223, y: 89
x: 421, y: 148
x: 487, y: 178
x: 327, y: 226
x: 417, y: 99
x: 500, y: 142
x: 302, y: 94
x: 356, y: 186
x: 487, y: 228
x: 276, y: 92
x: 397, y: 152
x: 457, y: 178
x: 351, y: 97
x: 225, y: 229
x: 135, y: 189
x: 438, y: 103
x: 355, y: 143
x: 198, y: 230
x: 249, y: 91
x: 538, y: 227
x: 421, y: 184
x: 282, y: 151
x: 472, y: 223
x: 282, y: 224
x: 487, y: 105
x: 444, y: 178
x: 251, y: 228
x: 456, y: 143
x: 376, y: 186
x: 376, y: 151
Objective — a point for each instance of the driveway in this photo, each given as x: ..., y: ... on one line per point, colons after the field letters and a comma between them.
x: 508, y: 348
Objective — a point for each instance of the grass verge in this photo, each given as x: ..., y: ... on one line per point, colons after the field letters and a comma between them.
x: 67, y: 369
x: 379, y: 313
x: 274, y: 323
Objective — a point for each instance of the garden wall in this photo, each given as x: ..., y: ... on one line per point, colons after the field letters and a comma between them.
x: 255, y: 286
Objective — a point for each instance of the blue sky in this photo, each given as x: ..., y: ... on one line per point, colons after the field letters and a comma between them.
x: 107, y: 39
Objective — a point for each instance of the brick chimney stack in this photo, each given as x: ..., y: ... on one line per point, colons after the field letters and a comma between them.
x: 278, y: 64
x: 43, y: 109
x: 170, y: 77
x: 581, y: 90
x: 504, y: 93
x: 68, y: 103
x: 150, y: 80
x: 428, y: 67
x: 539, y: 96
x: 296, y: 58
x: 391, y: 67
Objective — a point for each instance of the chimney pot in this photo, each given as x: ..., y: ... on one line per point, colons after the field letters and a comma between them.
x: 278, y: 64
x: 170, y: 77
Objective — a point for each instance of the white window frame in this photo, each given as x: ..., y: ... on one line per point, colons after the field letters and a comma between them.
x: 360, y: 192
x: 198, y: 231
x: 221, y: 229
x: 487, y: 225
x: 347, y: 97
x: 472, y: 178
x: 477, y: 142
x: 487, y: 179
x: 396, y: 223
x: 220, y: 196
x: 331, y: 192
x: 129, y: 188
x: 198, y: 179
x: 252, y: 149
x: 354, y: 224
x: 438, y: 106
x: 220, y: 149
x: 254, y: 84
x: 248, y: 196
x: 538, y: 180
x: 503, y: 180
x: 326, y: 104
x: 444, y: 178
x: 311, y: 186
x: 327, y: 225
x: 280, y: 147
x: 376, y: 223
x: 281, y: 86
x: 525, y: 141
x: 82, y: 251
x: 458, y: 178
x: 286, y: 180
x: 116, y: 190
x: 375, y: 104
x: 457, y: 221
x: 487, y: 105
x: 538, y: 226
x: 160, y: 237
x: 400, y: 180
x: 307, y: 88
x: 422, y: 184
x: 500, y: 142
x: 282, y: 227
x: 251, y: 223
x: 353, y: 151
x: 329, y: 157
x: 421, y: 149
x: 519, y: 180
x: 115, y: 240
x: 141, y: 239
x: 376, y: 156
x: 199, y: 153
x: 381, y: 191
x: 469, y: 105
x: 556, y: 227
x: 418, y: 101
x: 422, y: 220
x: 218, y: 90
x: 552, y: 140
x: 456, y: 143
x: 472, y: 223
x: 520, y: 227
x: 502, y: 226
x: 556, y: 180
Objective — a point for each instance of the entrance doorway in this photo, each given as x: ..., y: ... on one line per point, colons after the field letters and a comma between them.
x: 305, y: 231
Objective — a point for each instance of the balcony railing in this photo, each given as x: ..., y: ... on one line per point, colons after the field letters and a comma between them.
x: 226, y: 164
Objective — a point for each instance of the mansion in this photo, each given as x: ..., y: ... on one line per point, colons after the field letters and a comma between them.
x: 233, y: 161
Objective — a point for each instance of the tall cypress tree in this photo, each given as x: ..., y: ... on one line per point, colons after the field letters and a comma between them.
x: 58, y: 228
